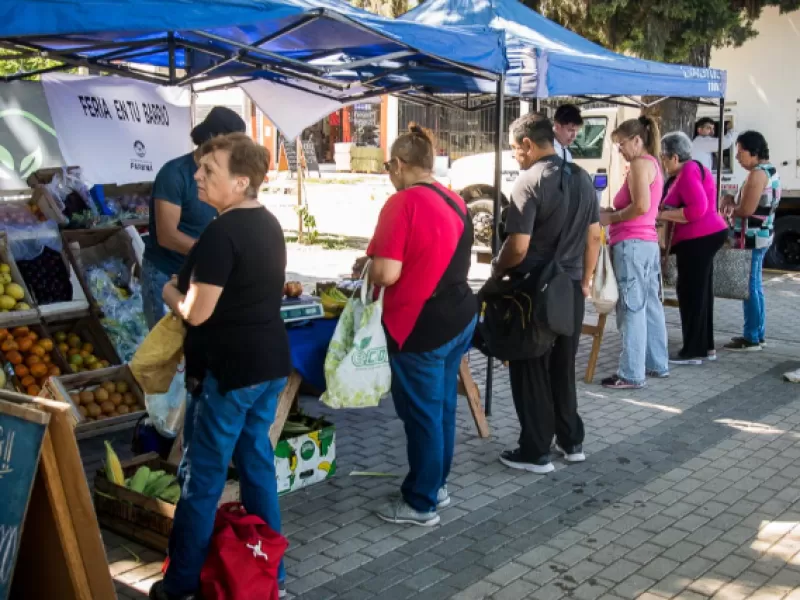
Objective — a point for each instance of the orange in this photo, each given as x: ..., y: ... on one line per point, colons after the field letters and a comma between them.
x: 25, y: 343
x: 8, y: 345
x: 88, y: 348
x: 14, y: 357
x: 21, y: 332
x: 46, y: 344
x: 4, y: 334
x: 27, y: 380
x: 53, y: 371
x: 33, y: 390
x: 47, y: 359
x: 37, y: 350
x: 39, y: 370
x: 63, y: 348
x: 34, y: 336
x: 32, y: 360
x: 21, y: 371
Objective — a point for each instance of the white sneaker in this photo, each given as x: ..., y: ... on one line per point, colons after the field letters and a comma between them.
x: 575, y: 455
x: 442, y: 497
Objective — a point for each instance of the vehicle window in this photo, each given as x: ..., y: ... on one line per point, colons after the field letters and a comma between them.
x: 590, y: 140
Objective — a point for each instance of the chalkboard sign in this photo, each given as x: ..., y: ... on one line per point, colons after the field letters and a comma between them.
x: 22, y: 430
x: 310, y: 153
x: 289, y: 149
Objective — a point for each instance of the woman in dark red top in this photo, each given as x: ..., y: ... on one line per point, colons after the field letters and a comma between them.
x: 421, y: 254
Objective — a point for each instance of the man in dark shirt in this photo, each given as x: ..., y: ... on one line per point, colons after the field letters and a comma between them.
x: 177, y: 215
x: 543, y: 388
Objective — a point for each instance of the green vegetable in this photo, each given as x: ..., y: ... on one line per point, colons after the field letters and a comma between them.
x: 139, y: 480
x: 172, y: 494
x: 155, y: 488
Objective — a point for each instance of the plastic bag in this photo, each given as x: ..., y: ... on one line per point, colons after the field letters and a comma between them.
x: 166, y: 411
x: 156, y: 361
x: 357, y: 372
x: 605, y: 292
x: 28, y: 242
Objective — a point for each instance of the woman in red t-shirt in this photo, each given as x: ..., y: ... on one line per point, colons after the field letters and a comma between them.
x: 421, y: 253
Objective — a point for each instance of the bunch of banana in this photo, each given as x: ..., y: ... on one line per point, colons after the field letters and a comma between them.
x: 333, y: 301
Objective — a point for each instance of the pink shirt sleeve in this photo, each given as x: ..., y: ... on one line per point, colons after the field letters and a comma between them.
x: 391, y: 232
x: 689, y: 192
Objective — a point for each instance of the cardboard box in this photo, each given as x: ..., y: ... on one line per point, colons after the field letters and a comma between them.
x: 303, y: 460
x: 42, y: 196
x: 60, y: 388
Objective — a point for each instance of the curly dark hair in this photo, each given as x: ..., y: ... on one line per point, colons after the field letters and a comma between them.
x: 754, y: 143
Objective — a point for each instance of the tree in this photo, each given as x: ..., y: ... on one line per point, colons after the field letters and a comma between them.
x: 676, y: 31
x: 12, y: 66
x: 386, y: 8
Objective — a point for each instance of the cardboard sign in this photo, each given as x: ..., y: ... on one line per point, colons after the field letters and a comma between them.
x: 22, y: 431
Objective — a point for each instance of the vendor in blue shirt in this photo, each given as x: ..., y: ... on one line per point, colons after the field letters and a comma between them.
x: 177, y: 215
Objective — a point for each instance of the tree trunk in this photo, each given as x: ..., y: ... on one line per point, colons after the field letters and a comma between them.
x: 675, y: 114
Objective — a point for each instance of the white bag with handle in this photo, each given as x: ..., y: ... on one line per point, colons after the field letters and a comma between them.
x: 357, y: 371
x: 605, y: 292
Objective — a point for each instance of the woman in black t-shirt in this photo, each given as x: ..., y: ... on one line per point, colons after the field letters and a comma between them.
x: 237, y: 354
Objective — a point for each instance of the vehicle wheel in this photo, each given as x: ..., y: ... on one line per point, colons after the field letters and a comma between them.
x: 481, y: 212
x: 785, y: 250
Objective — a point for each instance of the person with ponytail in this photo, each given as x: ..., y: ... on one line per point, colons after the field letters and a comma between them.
x: 637, y: 257
x: 421, y: 253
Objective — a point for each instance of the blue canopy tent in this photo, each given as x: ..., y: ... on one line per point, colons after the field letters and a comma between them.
x: 342, y: 51
x: 547, y: 60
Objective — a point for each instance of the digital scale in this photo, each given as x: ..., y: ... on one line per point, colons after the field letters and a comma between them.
x: 304, y: 308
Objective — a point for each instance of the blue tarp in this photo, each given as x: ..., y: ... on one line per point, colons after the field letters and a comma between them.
x: 548, y: 60
x: 60, y: 24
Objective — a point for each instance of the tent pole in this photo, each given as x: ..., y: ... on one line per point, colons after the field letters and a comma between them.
x: 720, y: 135
x: 498, y: 184
x: 173, y: 77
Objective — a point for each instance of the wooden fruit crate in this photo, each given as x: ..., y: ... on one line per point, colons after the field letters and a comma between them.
x: 56, y: 358
x: 139, y: 517
x: 17, y: 317
x: 60, y: 388
x: 90, y: 331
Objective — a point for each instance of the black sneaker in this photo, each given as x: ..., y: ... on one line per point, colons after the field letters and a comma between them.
x: 743, y: 345
x: 514, y: 460
x: 572, y: 454
x: 762, y: 342
x: 615, y: 382
x: 157, y: 592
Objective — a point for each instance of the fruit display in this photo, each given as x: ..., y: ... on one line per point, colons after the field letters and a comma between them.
x: 12, y: 294
x: 47, y: 277
x: 17, y: 214
x: 30, y: 357
x: 79, y: 354
x: 333, y: 302
x: 97, y: 402
x: 130, y: 206
x: 153, y: 484
x: 293, y: 289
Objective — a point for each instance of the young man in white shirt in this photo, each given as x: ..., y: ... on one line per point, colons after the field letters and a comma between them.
x: 567, y: 122
x: 705, y: 144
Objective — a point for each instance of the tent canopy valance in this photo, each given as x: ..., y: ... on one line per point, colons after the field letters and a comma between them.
x: 324, y: 44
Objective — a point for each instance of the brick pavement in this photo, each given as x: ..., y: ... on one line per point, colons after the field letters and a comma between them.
x: 690, y: 491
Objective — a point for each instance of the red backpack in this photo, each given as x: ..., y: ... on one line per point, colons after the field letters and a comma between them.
x: 243, y: 557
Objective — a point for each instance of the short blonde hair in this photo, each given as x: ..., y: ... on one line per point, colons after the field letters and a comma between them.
x: 245, y: 158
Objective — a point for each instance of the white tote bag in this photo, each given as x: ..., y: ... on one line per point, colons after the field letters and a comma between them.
x: 604, y: 286
x: 357, y: 371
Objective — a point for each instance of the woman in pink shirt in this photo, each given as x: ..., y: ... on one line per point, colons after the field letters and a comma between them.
x: 699, y: 233
x: 637, y: 258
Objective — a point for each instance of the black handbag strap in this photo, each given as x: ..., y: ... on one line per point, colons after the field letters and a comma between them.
x: 572, y: 210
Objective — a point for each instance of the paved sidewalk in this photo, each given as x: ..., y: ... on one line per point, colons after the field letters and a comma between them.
x: 690, y: 490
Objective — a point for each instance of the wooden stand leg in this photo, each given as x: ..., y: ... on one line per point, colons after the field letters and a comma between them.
x: 596, y: 331
x: 468, y: 388
x: 285, y: 402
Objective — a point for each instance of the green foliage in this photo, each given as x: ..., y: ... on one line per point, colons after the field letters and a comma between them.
x: 681, y: 31
x: 23, y: 65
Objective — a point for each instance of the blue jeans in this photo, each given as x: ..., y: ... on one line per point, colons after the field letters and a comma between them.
x: 153, y: 282
x: 425, y: 394
x: 640, y: 314
x: 755, y: 310
x: 234, y: 425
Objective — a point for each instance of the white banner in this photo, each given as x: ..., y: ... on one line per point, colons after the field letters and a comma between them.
x: 118, y: 130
